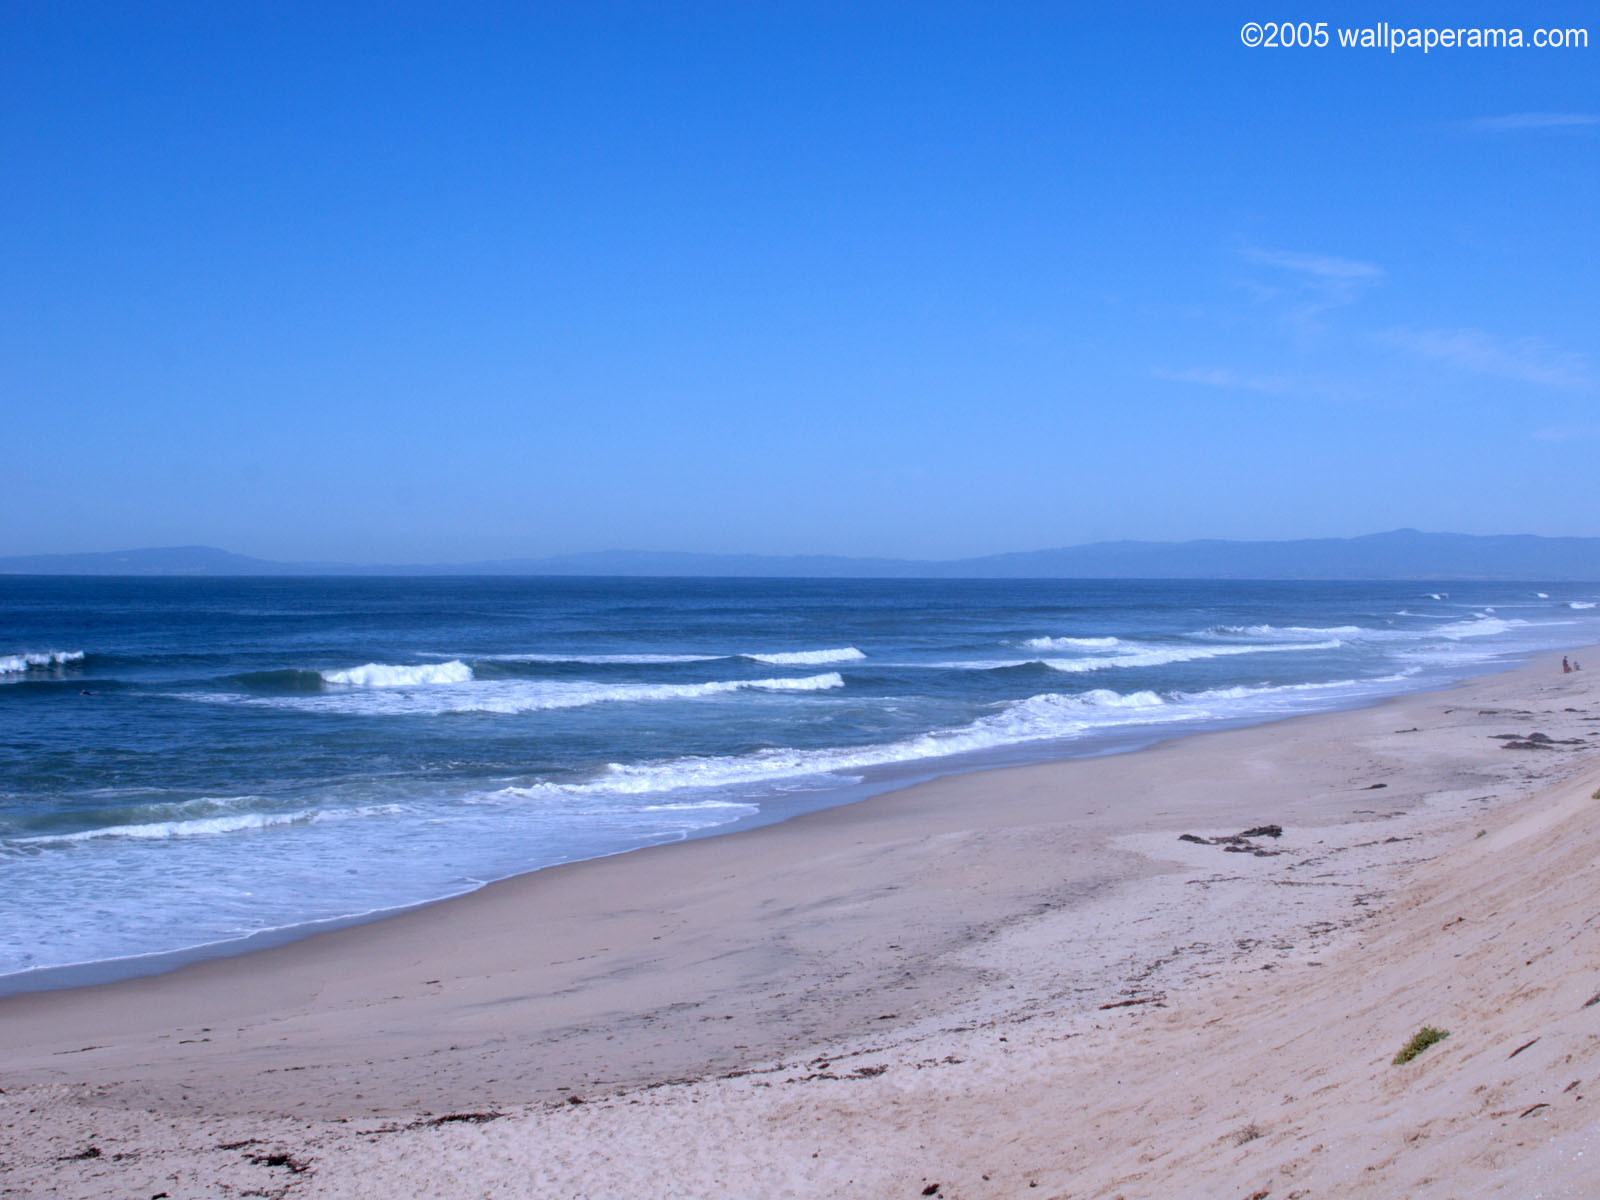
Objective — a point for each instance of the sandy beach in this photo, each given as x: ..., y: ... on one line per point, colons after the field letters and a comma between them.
x: 1014, y: 982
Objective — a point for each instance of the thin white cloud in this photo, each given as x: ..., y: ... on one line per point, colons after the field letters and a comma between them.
x: 1561, y: 433
x: 1522, y: 360
x: 1226, y: 377
x: 1308, y: 285
x: 1546, y: 120
x: 1317, y: 266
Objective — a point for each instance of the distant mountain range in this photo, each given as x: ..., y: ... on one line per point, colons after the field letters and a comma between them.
x: 1401, y: 554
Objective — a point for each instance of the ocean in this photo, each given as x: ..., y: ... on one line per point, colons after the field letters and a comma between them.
x: 216, y: 763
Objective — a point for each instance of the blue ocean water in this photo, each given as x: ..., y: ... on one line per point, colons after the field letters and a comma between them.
x: 190, y: 762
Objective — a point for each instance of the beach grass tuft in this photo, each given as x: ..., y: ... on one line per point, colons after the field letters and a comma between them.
x: 1420, y: 1041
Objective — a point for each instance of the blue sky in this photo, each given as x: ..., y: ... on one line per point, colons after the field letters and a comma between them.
x: 428, y: 282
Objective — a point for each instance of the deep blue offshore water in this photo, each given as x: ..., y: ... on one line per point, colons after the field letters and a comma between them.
x: 189, y: 762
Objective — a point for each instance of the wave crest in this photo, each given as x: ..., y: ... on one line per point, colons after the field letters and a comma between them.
x: 1071, y: 643
x: 1479, y: 626
x: 15, y: 664
x: 518, y: 696
x: 1160, y: 656
x: 603, y: 659
x: 387, y: 675
x: 158, y: 831
x: 1292, y: 631
x: 1038, y: 718
x: 1045, y: 717
x: 807, y: 658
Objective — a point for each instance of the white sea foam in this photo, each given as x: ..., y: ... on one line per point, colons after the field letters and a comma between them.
x: 1580, y: 603
x: 207, y: 826
x: 13, y: 664
x: 1071, y: 643
x: 385, y: 675
x: 589, y: 803
x: 620, y: 659
x: 1039, y: 717
x: 1269, y: 691
x: 1130, y: 654
x: 1290, y: 631
x: 790, y: 658
x: 1438, y: 595
x: 1160, y: 656
x: 807, y: 658
x: 511, y: 696
x: 698, y: 806
x: 1050, y: 716
x: 968, y: 664
x: 1542, y: 595
x: 1481, y: 625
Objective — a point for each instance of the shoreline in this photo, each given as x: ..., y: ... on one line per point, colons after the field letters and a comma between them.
x: 1032, y: 899
x: 892, y: 777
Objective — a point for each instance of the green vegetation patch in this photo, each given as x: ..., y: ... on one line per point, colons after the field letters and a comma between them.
x: 1420, y: 1041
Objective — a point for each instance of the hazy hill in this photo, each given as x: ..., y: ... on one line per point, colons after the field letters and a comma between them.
x: 1401, y: 554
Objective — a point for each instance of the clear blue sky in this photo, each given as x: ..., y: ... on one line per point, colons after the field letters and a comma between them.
x: 444, y: 282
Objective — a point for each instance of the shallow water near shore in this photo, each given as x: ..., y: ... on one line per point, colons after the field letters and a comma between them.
x: 190, y: 762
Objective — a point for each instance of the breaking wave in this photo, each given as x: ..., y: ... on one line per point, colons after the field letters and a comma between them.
x: 1280, y: 631
x: 155, y: 831
x: 603, y: 659
x: 15, y: 664
x: 518, y: 696
x: 1071, y: 643
x: 788, y: 658
x: 383, y: 675
x: 1160, y: 656
x: 1049, y: 716
x: 1038, y: 718
x: 1479, y: 626
x: 1130, y: 654
x: 807, y: 658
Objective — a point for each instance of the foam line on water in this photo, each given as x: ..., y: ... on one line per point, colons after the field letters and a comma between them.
x: 1048, y: 716
x: 1070, y: 643
x: 14, y: 664
x: 807, y: 658
x: 1478, y: 626
x: 206, y: 826
x: 519, y: 696
x: 1286, y: 631
x: 783, y: 658
x: 603, y: 659
x: 385, y: 675
x: 1129, y: 654
x: 1160, y: 656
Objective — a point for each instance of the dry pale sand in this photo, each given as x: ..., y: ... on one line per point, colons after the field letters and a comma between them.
x: 1013, y: 983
